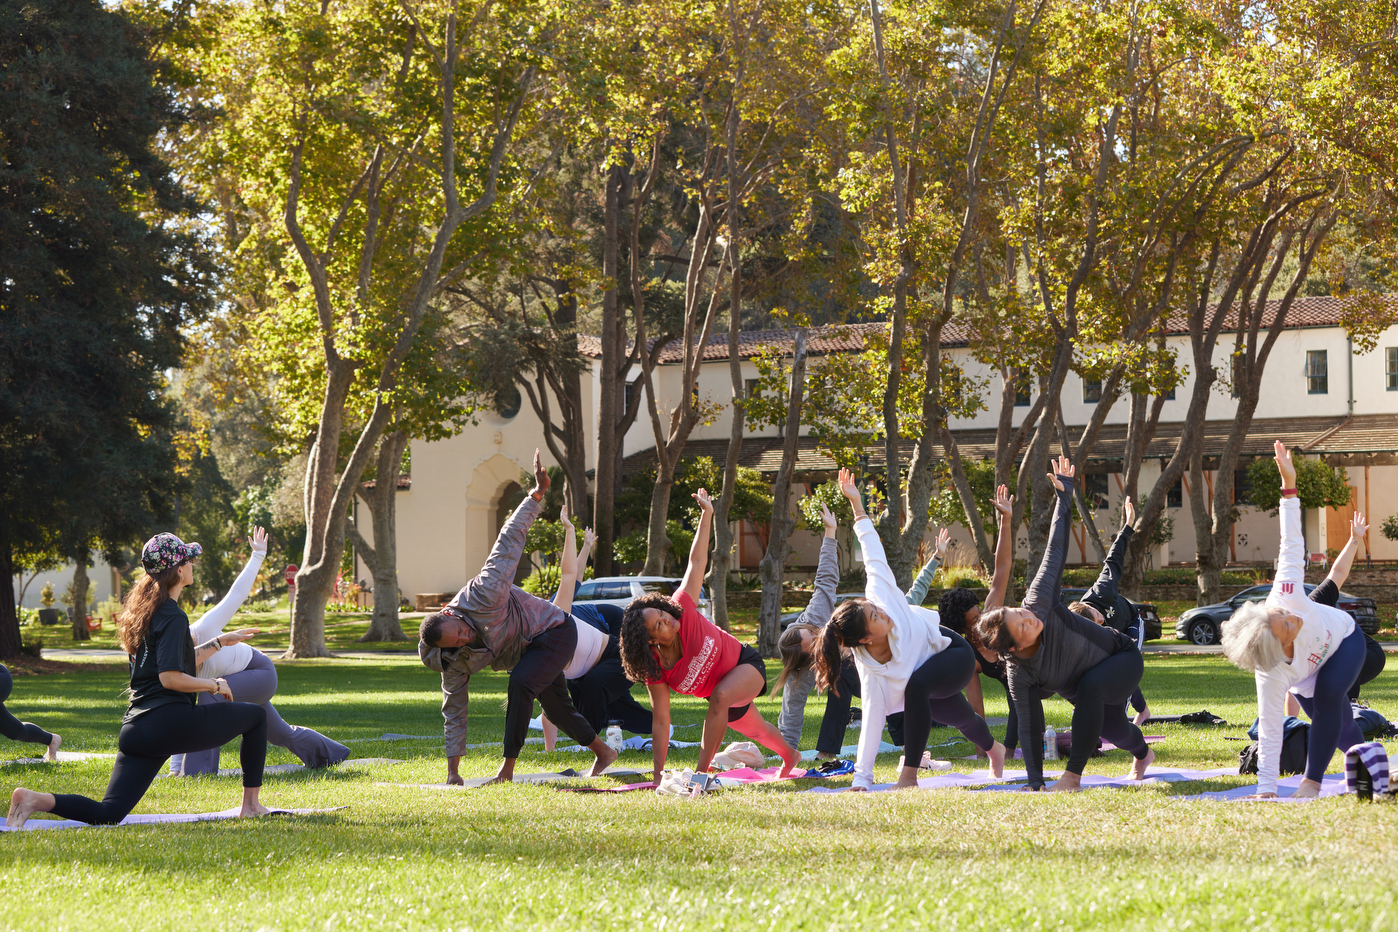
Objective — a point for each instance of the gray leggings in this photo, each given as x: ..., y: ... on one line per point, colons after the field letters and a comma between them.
x: 258, y: 683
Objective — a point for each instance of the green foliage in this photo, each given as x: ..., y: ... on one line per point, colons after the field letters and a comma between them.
x: 547, y: 537
x: 630, y: 547
x: 945, y: 508
x: 542, y: 582
x: 1389, y: 528
x: 1317, y: 484
x: 46, y: 597
x: 828, y: 494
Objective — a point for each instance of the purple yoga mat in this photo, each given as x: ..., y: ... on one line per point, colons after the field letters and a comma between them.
x: 1332, y: 784
x: 1153, y: 775
x: 937, y: 781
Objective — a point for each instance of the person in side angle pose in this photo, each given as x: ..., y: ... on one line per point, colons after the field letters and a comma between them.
x: 1050, y: 649
x: 597, y: 683
x: 1293, y: 644
x: 1105, y: 604
x: 668, y: 645
x: 27, y: 732
x: 163, y: 718
x: 492, y: 622
x: 797, y: 677
x: 251, y: 677
x: 907, y: 662
x: 960, y: 609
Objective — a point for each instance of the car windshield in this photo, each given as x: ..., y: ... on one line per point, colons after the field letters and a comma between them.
x: 596, y: 591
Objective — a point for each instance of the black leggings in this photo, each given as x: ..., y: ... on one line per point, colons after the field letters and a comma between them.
x: 1332, y: 717
x: 934, y: 693
x: 1374, y: 662
x: 146, y: 743
x: 12, y: 727
x: 539, y: 675
x: 1099, y: 709
x: 603, y: 694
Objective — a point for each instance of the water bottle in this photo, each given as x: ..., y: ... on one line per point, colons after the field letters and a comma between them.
x: 614, y: 738
x: 1050, y: 744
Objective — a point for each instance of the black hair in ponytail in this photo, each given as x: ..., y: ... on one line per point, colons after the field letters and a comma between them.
x: 847, y: 627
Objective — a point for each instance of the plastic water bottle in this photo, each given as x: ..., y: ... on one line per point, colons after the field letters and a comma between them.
x: 1050, y: 744
x: 614, y: 738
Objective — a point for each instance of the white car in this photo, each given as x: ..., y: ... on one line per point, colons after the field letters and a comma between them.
x: 620, y: 590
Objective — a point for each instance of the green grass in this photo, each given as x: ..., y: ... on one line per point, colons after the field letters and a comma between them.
x: 529, y: 857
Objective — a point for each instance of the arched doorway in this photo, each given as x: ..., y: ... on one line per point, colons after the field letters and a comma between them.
x: 493, y: 488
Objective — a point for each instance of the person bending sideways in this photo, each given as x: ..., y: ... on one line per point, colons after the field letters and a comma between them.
x: 491, y: 622
x: 1291, y: 643
x: 597, y: 683
x: 27, y: 732
x: 1105, y: 605
x: 959, y: 609
x: 907, y: 662
x: 252, y: 678
x: 163, y: 718
x: 797, y: 677
x: 1050, y: 649
x: 668, y: 645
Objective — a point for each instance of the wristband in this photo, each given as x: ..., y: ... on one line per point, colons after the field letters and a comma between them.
x: 1286, y: 492
x: 537, y: 496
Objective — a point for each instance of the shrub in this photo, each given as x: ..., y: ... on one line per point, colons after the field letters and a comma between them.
x: 1389, y: 528
x: 543, y: 582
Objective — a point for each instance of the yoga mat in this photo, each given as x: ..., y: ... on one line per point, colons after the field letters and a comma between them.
x: 476, y: 782
x: 34, y: 825
x: 1153, y: 775
x: 1332, y: 784
x: 741, y: 776
x: 1105, y: 747
x: 624, y: 788
x: 936, y: 782
x: 636, y: 743
x: 851, y: 749
x: 294, y: 768
x: 62, y: 756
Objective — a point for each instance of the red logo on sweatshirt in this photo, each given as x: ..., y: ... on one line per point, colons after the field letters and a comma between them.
x: 1288, y: 588
x: 1314, y: 660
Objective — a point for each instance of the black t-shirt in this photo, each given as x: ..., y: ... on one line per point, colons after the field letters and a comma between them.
x: 167, y: 646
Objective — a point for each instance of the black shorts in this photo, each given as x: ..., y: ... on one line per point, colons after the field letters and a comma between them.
x: 749, y: 655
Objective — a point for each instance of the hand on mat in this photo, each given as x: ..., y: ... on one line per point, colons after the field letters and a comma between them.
x: 1004, y: 502
x: 1261, y: 796
x: 706, y: 504
x: 1128, y: 512
x: 1358, y: 527
x: 1283, y: 457
x: 1062, y: 469
x: 259, y: 540
x: 541, y: 476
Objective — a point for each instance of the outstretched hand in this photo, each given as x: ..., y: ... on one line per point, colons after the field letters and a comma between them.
x: 589, y: 538
x: 1128, y: 512
x: 1288, y: 469
x: 1004, y: 502
x: 541, y: 476
x: 943, y: 540
x: 1358, y: 527
x: 563, y: 518
x: 848, y: 488
x: 706, y: 504
x: 236, y: 637
x: 827, y: 517
x: 259, y: 540
x: 1062, y: 469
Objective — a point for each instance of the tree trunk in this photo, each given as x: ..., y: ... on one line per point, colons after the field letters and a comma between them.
x: 9, y: 612
x: 80, y: 632
x: 657, y: 541
x: 770, y: 569
x: 382, y: 557
x: 610, y: 379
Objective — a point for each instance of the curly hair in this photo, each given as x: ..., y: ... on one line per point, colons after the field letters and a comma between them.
x: 994, y: 634
x: 847, y: 627
x: 953, y: 606
x: 150, y: 592
x: 637, y: 658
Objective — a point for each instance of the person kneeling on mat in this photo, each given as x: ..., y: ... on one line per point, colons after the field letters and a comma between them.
x: 162, y: 718
x: 1050, y: 649
x: 668, y: 645
x: 491, y: 622
x: 1292, y: 644
x: 907, y: 662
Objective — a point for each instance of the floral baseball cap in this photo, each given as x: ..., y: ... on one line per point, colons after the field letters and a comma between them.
x: 165, y: 550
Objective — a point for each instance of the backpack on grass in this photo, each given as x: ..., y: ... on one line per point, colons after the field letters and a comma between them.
x: 1293, y: 752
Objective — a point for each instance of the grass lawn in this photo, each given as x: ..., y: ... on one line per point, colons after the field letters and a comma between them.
x: 530, y: 857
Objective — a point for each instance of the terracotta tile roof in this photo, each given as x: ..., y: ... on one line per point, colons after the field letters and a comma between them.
x: 1364, y: 434
x: 405, y: 481
x: 849, y: 338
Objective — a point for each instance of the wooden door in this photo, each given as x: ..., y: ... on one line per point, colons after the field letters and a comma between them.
x: 1337, y: 523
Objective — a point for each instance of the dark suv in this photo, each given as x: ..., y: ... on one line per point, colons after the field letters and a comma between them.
x: 1204, y: 625
x: 1145, y: 610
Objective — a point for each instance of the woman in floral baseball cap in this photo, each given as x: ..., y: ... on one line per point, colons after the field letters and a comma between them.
x: 163, y: 718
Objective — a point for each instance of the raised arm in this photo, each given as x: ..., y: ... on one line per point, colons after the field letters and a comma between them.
x: 490, y: 589
x: 880, y: 585
x: 212, y: 623
x: 918, y: 590
x: 1004, y: 550
x: 827, y: 577
x: 1291, y: 560
x: 1339, y: 570
x: 693, y: 582
x: 1042, y: 594
x: 567, y: 564
x: 1104, y: 590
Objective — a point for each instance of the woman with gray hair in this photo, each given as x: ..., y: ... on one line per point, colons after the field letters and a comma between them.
x: 1292, y: 644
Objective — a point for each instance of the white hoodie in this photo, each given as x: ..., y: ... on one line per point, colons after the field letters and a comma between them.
x: 235, y: 657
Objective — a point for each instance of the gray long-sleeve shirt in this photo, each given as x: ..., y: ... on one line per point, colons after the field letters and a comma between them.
x: 1068, y: 647
x: 506, y: 617
x: 798, y: 688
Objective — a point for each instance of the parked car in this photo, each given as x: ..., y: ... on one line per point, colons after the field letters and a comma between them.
x: 620, y: 590
x: 1146, y: 610
x: 1204, y: 625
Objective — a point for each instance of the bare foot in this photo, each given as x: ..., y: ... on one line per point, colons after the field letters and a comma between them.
x: 1138, y: 767
x: 1309, y: 789
x: 454, y: 779
x: 252, y: 810
x: 1068, y: 783
x: 907, y: 778
x: 24, y: 803
x: 997, y: 760
x: 825, y: 755
x: 1141, y: 717
x: 789, y: 763
x: 605, y: 758
x: 52, y: 753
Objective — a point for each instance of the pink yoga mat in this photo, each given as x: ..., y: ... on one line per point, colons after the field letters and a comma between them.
x: 937, y: 782
x: 744, y: 775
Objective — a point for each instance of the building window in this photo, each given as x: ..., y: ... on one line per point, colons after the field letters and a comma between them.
x: 1022, y: 388
x: 750, y: 388
x: 1317, y: 375
x: 632, y: 392
x: 1174, y: 498
x: 1242, y: 488
x: 1095, y: 489
x: 1091, y: 391
x: 1170, y: 395
x: 508, y: 403
x: 1234, y: 375
x: 1390, y: 368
